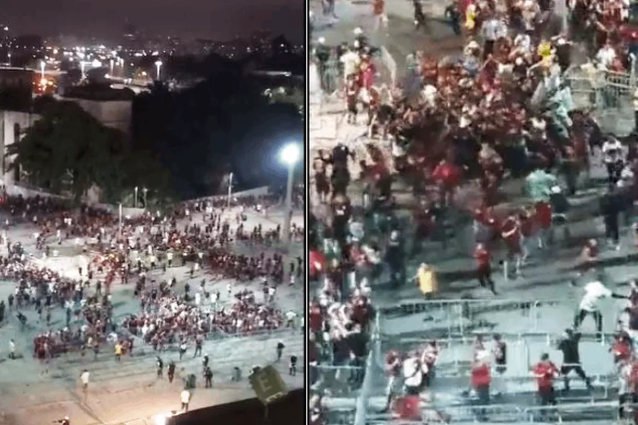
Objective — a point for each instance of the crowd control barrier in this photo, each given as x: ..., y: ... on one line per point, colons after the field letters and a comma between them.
x: 605, y: 412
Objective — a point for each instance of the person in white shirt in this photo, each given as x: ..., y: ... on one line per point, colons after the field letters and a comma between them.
x: 350, y: 61
x: 491, y: 30
x: 613, y: 158
x: 185, y: 398
x: 590, y: 304
x: 605, y: 56
x: 85, y: 379
x: 290, y: 319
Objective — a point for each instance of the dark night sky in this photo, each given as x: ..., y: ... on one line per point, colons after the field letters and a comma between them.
x: 217, y: 19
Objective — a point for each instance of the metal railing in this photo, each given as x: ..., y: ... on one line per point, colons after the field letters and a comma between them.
x: 362, y: 403
x: 459, y: 316
x: 600, y: 411
x: 608, y: 94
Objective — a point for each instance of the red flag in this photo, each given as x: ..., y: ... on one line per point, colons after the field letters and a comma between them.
x: 317, y: 262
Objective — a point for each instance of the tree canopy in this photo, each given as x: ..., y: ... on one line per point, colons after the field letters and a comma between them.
x: 67, y: 150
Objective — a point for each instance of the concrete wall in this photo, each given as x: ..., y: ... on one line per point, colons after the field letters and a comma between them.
x: 114, y: 209
x: 114, y: 113
x: 8, y: 121
x: 258, y: 191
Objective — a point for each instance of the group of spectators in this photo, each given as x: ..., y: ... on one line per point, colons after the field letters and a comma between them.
x: 458, y: 128
x: 130, y: 250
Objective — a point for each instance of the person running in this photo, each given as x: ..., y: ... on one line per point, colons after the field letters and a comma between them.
x: 568, y: 345
x: 545, y: 371
x: 590, y: 305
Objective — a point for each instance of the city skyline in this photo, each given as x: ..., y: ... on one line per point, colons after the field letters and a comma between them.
x: 197, y: 18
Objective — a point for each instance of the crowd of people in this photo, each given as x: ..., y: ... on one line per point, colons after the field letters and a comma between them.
x: 119, y: 252
x: 458, y: 129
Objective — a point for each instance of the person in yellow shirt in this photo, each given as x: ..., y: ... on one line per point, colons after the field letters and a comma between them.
x: 544, y: 49
x: 118, y: 351
x: 426, y: 279
x: 470, y: 17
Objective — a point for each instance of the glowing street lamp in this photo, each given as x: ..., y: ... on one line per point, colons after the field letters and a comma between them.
x: 42, y: 66
x: 158, y: 65
x: 289, y: 156
x: 111, y: 63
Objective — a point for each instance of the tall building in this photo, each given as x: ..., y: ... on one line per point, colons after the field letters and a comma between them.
x: 131, y: 39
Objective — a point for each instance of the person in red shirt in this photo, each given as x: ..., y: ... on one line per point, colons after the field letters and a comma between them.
x: 480, y: 381
x: 483, y: 225
x: 315, y: 317
x: 543, y: 217
x: 628, y: 372
x: 408, y: 408
x: 545, y: 371
x: 621, y: 348
x: 484, y: 267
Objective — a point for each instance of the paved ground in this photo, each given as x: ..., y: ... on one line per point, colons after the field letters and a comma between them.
x: 124, y: 391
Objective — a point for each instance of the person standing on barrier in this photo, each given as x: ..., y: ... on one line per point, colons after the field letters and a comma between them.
x: 568, y: 345
x: 545, y: 371
x: 590, y: 304
x: 484, y: 267
x: 480, y: 381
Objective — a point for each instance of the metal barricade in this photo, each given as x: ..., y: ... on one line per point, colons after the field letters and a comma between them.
x: 458, y: 414
x: 461, y: 317
x: 608, y: 94
x: 606, y: 411
x: 361, y: 410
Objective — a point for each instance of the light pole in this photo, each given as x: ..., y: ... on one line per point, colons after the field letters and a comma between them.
x: 145, y: 191
x: 230, y: 189
x: 290, y: 156
x: 82, y: 68
x: 120, y: 219
x: 135, y: 200
x: 158, y: 65
x: 42, y: 66
x: 111, y: 64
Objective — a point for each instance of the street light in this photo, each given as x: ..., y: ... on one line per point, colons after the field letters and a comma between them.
x: 158, y: 65
x: 111, y: 63
x: 135, y: 200
x: 289, y: 156
x: 42, y: 66
x: 230, y: 189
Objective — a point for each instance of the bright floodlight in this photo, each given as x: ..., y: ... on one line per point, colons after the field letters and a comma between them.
x: 158, y: 63
x: 159, y: 419
x: 290, y: 154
